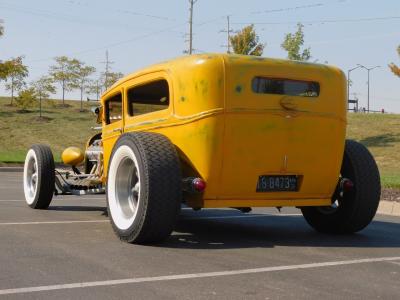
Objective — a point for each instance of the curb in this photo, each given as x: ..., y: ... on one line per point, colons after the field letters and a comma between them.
x: 391, y: 208
x: 11, y: 169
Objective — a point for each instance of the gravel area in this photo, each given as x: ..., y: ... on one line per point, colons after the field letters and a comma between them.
x: 390, y: 194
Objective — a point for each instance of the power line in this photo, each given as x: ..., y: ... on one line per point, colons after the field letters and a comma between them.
x: 286, y: 9
x: 74, y: 19
x: 116, y: 43
x: 323, y: 21
x: 146, y: 15
x: 140, y: 36
x: 125, y: 11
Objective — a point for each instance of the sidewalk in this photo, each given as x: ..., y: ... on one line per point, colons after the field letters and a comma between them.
x: 391, y: 208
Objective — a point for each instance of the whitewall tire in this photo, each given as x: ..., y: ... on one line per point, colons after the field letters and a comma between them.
x: 143, y: 187
x: 39, y: 177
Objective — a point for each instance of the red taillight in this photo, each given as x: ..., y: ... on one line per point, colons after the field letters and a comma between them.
x: 348, y: 185
x: 198, y: 184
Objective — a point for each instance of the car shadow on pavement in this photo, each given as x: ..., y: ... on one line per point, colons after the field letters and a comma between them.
x: 273, y: 230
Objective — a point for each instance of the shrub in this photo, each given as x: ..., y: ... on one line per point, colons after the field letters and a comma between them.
x: 26, y: 98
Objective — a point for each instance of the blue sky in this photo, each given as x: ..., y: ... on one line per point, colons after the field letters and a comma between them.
x: 138, y: 33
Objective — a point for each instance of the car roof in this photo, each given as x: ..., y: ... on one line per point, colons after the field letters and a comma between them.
x: 231, y: 59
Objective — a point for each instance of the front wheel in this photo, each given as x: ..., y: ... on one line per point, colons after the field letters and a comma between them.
x: 352, y: 209
x: 143, y: 187
x: 39, y: 177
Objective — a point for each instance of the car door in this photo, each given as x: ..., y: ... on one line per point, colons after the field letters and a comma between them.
x: 113, y: 124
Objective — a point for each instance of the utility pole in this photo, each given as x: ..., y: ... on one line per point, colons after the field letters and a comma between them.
x: 98, y: 87
x: 107, y: 63
x: 192, y: 2
x: 228, y: 33
x: 368, y: 70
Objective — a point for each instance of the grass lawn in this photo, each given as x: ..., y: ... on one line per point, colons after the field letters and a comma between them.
x: 67, y: 126
x: 60, y: 127
x: 381, y: 134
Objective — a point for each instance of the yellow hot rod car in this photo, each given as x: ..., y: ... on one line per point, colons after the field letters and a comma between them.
x: 213, y: 131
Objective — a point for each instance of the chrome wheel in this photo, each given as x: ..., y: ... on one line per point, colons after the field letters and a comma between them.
x: 127, y: 187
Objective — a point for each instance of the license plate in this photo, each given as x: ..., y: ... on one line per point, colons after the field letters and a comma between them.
x: 277, y: 183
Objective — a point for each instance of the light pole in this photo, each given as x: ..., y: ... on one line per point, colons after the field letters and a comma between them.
x: 348, y: 83
x: 368, y: 70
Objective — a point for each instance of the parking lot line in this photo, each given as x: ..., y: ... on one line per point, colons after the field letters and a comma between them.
x: 57, y: 199
x: 193, y: 275
x: 53, y: 222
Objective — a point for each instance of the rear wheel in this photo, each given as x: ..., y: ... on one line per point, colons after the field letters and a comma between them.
x: 351, y: 209
x: 39, y: 177
x: 143, y: 187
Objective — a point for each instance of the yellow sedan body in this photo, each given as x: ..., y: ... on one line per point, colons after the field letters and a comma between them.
x: 246, y: 125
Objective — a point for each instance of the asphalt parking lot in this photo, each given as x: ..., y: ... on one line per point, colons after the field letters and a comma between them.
x: 70, y: 252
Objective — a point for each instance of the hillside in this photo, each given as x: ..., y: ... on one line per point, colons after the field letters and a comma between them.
x: 63, y: 127
x: 381, y: 134
x: 60, y: 127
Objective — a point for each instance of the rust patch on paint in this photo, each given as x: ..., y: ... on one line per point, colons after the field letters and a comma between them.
x: 239, y: 88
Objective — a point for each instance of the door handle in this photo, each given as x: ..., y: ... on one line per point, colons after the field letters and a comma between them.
x: 117, y: 130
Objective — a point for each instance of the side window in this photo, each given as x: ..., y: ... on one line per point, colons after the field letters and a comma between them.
x: 113, y: 108
x: 262, y: 85
x: 149, y: 97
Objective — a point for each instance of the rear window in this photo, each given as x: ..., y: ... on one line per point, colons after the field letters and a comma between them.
x: 278, y: 86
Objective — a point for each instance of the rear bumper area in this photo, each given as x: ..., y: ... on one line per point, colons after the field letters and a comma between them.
x: 220, y: 203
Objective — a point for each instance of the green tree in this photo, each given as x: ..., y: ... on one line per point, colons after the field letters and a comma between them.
x: 94, y: 87
x: 3, y: 67
x: 109, y: 78
x: 16, y: 72
x: 65, y: 73
x: 246, y: 42
x: 1, y: 27
x: 3, y: 70
x: 26, y: 98
x: 43, y: 87
x: 82, y: 81
x: 393, y: 67
x: 292, y: 44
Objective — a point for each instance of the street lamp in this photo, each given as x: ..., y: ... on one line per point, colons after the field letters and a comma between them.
x: 348, y: 82
x: 368, y: 70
